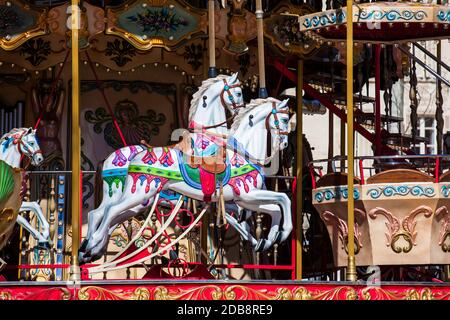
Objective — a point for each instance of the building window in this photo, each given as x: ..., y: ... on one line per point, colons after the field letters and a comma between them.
x: 427, y: 129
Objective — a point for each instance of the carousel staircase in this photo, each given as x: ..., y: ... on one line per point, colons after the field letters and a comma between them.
x: 319, y: 86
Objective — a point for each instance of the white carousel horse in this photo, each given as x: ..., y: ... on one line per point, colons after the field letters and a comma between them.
x: 242, y: 179
x: 207, y: 111
x: 13, y: 145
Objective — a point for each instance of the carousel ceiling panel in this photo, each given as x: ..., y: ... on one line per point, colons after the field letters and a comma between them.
x: 92, y: 21
x: 236, y: 26
x: 282, y: 29
x: 156, y: 23
x: 118, y: 54
x: 19, y: 23
x: 380, y: 22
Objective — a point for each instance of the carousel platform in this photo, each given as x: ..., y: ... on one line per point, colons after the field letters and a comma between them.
x: 222, y: 290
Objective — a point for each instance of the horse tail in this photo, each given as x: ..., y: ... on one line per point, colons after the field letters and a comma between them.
x: 98, y: 185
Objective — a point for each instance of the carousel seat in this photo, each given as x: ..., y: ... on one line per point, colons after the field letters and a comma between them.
x: 335, y: 179
x: 445, y: 177
x: 399, y: 176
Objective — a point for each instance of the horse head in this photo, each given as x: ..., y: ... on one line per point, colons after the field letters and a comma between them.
x: 214, y: 97
x: 26, y: 143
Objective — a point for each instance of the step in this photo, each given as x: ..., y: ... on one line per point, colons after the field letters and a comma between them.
x: 369, y: 116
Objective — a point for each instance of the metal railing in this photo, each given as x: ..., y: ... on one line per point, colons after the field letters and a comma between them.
x: 432, y: 163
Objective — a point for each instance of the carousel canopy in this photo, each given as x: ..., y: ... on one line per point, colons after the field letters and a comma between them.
x: 380, y: 22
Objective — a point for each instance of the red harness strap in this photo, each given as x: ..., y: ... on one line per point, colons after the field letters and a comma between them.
x: 116, y: 124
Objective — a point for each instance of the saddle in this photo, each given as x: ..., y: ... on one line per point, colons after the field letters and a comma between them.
x: 215, y: 164
x: 209, y: 167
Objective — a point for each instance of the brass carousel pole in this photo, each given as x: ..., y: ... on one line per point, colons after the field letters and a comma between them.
x: 75, y: 269
x: 261, y: 62
x: 351, y: 265
x: 299, y: 192
x: 212, y: 72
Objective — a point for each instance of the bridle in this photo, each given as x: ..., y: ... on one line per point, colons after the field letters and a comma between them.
x: 274, y: 113
x: 24, y: 149
x: 226, y: 89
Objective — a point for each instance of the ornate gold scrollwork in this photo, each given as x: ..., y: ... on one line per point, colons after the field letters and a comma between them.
x: 397, y: 228
x: 444, y: 232
x: 407, y: 238
x: 357, y: 245
x: 341, y: 227
x: 445, y: 247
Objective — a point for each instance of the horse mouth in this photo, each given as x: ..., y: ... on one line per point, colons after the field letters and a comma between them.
x: 36, y: 160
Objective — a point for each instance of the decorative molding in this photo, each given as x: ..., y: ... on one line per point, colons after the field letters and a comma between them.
x: 402, y: 190
x: 135, y: 125
x: 324, y: 19
x: 443, y: 15
x: 442, y: 215
x: 390, y: 15
x: 282, y: 28
x: 397, y: 228
x: 377, y: 293
x: 120, y: 51
x: 337, y: 193
x: 220, y: 291
x: 20, y: 23
x: 163, y: 23
x: 341, y: 227
x: 445, y: 190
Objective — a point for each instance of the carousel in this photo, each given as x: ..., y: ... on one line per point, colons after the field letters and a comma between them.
x: 145, y: 154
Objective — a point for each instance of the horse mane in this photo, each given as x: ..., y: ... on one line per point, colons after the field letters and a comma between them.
x: 198, y: 96
x: 249, y: 108
x: 15, y: 130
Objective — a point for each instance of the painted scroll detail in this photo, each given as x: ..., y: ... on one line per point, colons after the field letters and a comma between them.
x: 442, y: 215
x: 398, y: 229
x: 341, y: 227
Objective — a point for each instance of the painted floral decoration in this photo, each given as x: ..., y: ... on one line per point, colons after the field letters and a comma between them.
x: 156, y: 21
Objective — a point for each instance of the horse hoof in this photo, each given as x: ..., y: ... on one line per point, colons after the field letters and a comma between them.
x: 43, y: 245
x: 83, y: 245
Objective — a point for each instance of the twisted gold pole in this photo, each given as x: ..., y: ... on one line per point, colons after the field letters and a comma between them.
x: 351, y: 266
x: 212, y: 72
x: 76, y: 142
x: 299, y: 191
x: 261, y: 62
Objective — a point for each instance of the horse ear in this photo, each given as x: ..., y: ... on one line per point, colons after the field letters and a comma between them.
x: 234, y: 77
x: 284, y: 103
x: 30, y: 130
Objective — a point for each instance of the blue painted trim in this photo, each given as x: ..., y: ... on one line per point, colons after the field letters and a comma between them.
x: 402, y: 190
x: 60, y: 229
x: 336, y: 193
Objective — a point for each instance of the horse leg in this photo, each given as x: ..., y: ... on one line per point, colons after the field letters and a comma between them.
x: 274, y: 212
x: 114, y: 213
x: 26, y: 225
x: 243, y: 231
x: 264, y: 197
x: 36, y: 208
x: 95, y: 216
